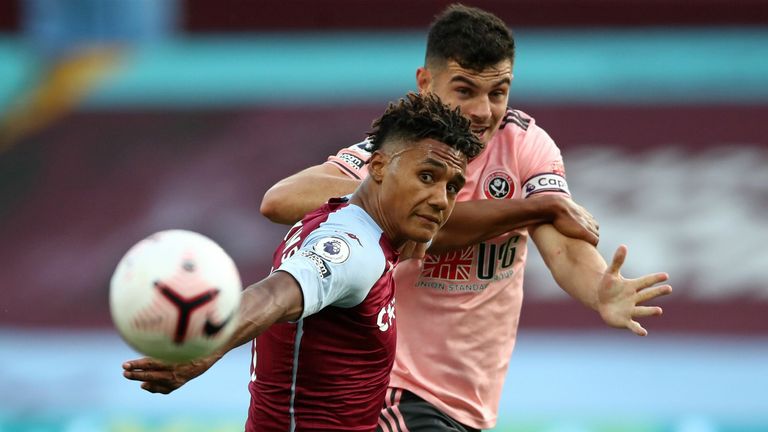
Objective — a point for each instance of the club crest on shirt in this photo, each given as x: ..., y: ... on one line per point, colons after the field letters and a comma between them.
x: 498, y: 185
x: 332, y: 249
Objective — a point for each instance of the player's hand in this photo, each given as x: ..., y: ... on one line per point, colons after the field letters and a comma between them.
x: 412, y: 250
x: 573, y: 220
x: 619, y: 299
x: 159, y: 377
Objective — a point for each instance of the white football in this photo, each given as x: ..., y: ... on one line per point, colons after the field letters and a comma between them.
x: 175, y: 295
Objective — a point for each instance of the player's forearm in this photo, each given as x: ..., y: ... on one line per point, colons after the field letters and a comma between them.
x: 576, y: 265
x: 290, y: 199
x: 275, y: 299
x: 474, y: 221
x: 580, y: 273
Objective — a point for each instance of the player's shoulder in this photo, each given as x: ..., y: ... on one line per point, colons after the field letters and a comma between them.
x: 352, y: 159
x: 354, y: 217
x: 517, y: 121
x: 518, y: 128
x: 364, y: 148
x: 339, y: 261
x: 349, y: 229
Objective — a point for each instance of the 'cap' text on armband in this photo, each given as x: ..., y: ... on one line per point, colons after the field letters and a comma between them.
x: 548, y: 182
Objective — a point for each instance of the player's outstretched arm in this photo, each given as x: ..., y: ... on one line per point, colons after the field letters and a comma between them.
x: 293, y: 197
x: 580, y: 270
x: 491, y: 218
x: 276, y: 298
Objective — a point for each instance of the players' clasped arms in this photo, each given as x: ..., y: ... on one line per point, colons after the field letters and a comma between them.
x: 458, y: 313
x: 323, y: 321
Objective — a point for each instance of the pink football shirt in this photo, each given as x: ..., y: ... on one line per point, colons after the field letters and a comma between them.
x: 458, y: 312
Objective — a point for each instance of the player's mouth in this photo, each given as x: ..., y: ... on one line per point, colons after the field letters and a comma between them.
x: 479, y: 131
x: 430, y: 218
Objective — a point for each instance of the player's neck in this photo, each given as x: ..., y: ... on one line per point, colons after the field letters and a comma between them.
x: 366, y: 198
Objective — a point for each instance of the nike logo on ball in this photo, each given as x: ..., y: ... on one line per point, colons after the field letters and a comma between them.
x: 211, y: 329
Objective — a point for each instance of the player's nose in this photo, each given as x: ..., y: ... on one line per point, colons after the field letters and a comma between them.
x: 438, y: 199
x: 480, y: 110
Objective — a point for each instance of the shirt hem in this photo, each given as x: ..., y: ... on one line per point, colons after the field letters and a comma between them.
x: 460, y: 417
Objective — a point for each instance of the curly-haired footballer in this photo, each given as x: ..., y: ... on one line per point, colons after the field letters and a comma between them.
x: 323, y: 321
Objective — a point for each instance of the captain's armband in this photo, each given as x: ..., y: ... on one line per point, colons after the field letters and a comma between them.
x: 547, y: 182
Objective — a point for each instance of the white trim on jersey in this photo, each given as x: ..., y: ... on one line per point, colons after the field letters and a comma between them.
x: 295, y: 371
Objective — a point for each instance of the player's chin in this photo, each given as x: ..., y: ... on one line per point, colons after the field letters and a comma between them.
x: 422, y: 234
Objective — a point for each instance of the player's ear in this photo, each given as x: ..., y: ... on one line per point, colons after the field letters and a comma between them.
x: 423, y: 79
x: 377, y: 165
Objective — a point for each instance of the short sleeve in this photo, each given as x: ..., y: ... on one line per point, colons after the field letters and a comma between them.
x: 541, y: 162
x: 333, y: 268
x: 352, y: 160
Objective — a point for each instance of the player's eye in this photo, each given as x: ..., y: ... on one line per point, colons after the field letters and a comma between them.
x: 464, y: 91
x: 452, y: 188
x: 426, y: 177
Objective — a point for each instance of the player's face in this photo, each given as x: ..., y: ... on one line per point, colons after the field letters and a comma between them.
x: 482, y: 95
x: 419, y: 189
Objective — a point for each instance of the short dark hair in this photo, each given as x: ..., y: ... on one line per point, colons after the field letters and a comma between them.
x: 472, y: 37
x: 416, y: 117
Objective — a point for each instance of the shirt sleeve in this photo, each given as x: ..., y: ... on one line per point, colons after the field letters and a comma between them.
x: 542, y: 164
x: 333, y: 269
x: 352, y: 160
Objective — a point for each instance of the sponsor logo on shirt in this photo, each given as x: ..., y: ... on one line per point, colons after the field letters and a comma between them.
x: 454, y: 265
x: 386, y: 316
x: 355, y: 238
x: 320, y: 265
x: 489, y: 260
x: 498, y: 185
x: 292, y: 242
x: 549, y: 182
x: 332, y: 249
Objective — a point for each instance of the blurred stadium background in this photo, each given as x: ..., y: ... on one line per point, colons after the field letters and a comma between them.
x: 124, y: 117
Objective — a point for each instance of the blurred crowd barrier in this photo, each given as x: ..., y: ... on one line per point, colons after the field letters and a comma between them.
x: 665, y: 146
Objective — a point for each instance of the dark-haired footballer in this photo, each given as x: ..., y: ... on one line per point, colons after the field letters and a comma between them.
x: 324, y: 320
x: 458, y: 314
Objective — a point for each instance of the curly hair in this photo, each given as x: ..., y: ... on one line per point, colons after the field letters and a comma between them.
x: 416, y: 117
x: 472, y: 37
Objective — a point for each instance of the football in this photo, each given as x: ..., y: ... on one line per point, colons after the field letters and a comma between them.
x: 174, y: 296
